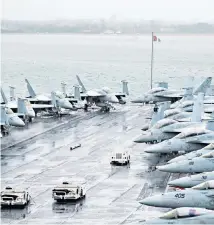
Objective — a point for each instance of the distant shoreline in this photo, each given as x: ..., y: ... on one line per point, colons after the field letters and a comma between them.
x: 107, y: 35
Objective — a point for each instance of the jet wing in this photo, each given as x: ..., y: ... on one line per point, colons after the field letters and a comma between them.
x: 94, y: 94
x: 11, y: 105
x: 42, y: 106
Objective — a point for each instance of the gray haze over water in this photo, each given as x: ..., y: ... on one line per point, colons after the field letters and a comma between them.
x: 103, y: 60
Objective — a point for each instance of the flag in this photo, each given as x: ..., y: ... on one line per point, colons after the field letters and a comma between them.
x: 155, y: 38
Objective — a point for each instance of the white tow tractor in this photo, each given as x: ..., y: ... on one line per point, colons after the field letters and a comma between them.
x: 69, y: 191
x: 12, y: 198
x: 120, y: 157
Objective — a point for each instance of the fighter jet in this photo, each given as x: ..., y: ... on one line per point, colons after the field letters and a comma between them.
x: 198, y: 196
x: 8, y: 119
x: 158, y: 115
x: 23, y: 113
x: 193, y: 180
x: 55, y: 101
x: 205, y: 163
x: 4, y: 122
x: 162, y: 94
x: 184, y: 215
x: 168, y: 128
x: 21, y: 106
x: 191, y: 139
x: 209, y: 148
x: 102, y: 97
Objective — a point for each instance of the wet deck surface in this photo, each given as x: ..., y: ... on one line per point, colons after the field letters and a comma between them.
x: 113, y: 191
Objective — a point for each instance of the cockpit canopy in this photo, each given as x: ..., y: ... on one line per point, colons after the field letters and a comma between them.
x: 163, y: 123
x: 107, y: 90
x: 187, y: 104
x: 9, y: 111
x: 191, y: 133
x: 156, y: 90
x: 204, y: 186
x: 184, y: 212
x: 171, y: 112
x: 210, y: 146
x: 59, y: 95
x: 209, y: 155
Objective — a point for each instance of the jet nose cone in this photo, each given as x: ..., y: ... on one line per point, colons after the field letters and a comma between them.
x: 142, y: 138
x: 178, y: 183
x: 114, y: 99
x: 66, y: 104
x: 157, y: 148
x: 150, y: 201
x: 168, y: 168
x: 31, y: 113
x: 16, y: 121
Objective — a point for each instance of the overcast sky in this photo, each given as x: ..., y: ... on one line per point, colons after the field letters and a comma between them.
x: 168, y: 10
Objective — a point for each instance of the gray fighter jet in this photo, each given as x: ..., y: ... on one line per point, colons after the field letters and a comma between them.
x: 184, y: 215
x: 205, y: 163
x: 204, y: 219
x: 190, y: 181
x: 190, y: 140
x: 194, y: 154
x: 168, y: 128
x: 161, y: 94
x: 201, y: 196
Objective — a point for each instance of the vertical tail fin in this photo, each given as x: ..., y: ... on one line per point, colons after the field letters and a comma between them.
x: 12, y: 93
x: 53, y: 99
x: 198, y: 108
x: 77, y: 92
x: 3, y: 96
x: 81, y: 84
x: 159, y: 112
x: 210, y: 90
x: 125, y: 89
x: 188, y: 94
x: 30, y: 89
x: 4, y: 117
x: 63, y: 85
x: 24, y: 107
x: 203, y: 86
x: 163, y: 84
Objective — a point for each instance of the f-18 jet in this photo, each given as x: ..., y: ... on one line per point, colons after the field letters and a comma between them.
x: 102, y: 97
x: 191, y: 139
x: 161, y: 94
x: 207, y: 149
x: 168, y: 128
x: 201, y: 196
x: 21, y: 106
x: 41, y: 102
x: 157, y: 116
x: 9, y: 118
x: 192, y: 180
x: 184, y: 215
x: 205, y: 163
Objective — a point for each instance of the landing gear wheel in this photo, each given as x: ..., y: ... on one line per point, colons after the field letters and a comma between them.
x: 86, y: 107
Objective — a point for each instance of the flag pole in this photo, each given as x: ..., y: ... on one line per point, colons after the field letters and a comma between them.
x: 152, y: 62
